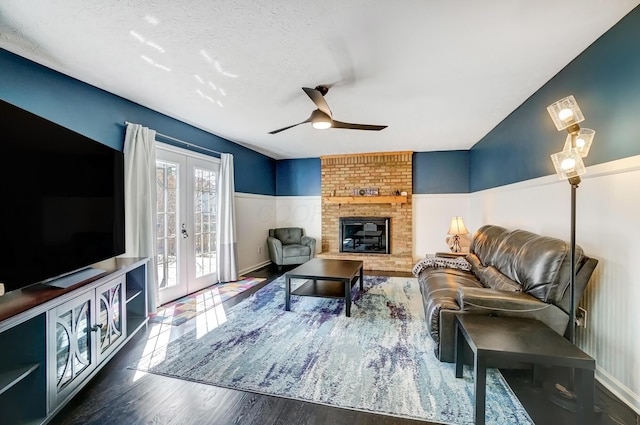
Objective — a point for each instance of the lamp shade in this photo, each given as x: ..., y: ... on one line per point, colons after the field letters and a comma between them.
x: 568, y: 164
x: 565, y: 113
x: 457, y: 227
x: 582, y: 141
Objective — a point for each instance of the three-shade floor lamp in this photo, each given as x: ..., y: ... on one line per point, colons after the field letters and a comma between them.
x: 566, y: 115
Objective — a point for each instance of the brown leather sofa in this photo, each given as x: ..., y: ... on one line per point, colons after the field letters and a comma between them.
x: 512, y: 273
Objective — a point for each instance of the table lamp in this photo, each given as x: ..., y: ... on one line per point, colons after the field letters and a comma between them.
x: 457, y: 228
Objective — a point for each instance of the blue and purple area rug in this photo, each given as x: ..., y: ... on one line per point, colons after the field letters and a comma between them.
x: 379, y: 360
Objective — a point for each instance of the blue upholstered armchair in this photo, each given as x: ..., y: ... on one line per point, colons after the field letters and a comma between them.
x: 289, y: 245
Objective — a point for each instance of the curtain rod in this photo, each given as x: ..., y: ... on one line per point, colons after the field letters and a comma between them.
x: 187, y: 144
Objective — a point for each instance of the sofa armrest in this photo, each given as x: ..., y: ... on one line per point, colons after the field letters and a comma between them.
x: 492, y: 299
x: 511, y: 304
x: 311, y: 243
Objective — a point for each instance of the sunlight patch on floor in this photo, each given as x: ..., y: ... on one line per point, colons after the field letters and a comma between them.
x: 155, y: 348
x: 212, y: 312
x: 209, y: 315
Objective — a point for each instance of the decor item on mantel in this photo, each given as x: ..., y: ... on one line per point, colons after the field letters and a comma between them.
x: 456, y: 229
x: 365, y: 191
x: 566, y: 115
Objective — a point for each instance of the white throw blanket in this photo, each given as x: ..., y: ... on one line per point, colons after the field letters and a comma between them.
x: 431, y: 261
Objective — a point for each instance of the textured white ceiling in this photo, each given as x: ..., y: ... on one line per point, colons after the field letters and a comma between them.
x: 440, y: 74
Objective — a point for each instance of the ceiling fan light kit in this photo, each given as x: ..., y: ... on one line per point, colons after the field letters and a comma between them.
x: 322, y: 117
x: 320, y: 120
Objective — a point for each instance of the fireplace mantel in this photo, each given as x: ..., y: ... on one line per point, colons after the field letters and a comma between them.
x: 366, y: 199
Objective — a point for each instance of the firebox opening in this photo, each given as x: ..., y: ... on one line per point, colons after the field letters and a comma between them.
x: 369, y: 235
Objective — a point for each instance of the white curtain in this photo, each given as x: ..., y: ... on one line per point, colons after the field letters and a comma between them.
x: 140, y: 202
x: 226, y: 242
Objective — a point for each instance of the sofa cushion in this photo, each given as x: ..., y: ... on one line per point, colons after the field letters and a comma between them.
x: 485, y: 241
x: 475, y: 263
x: 288, y: 235
x: 295, y: 250
x: 538, y: 263
x: 491, y: 278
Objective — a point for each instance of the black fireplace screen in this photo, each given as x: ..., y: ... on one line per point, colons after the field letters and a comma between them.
x: 364, y: 235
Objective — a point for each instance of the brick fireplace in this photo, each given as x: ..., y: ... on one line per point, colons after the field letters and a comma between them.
x: 387, y: 173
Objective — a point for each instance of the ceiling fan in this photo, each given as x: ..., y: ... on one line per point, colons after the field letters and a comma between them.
x: 322, y: 118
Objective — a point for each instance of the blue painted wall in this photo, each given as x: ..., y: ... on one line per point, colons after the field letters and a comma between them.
x: 433, y: 172
x: 605, y: 80
x: 100, y: 115
x: 441, y: 172
x: 298, y: 177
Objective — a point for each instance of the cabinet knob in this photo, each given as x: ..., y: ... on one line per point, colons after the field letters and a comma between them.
x: 96, y: 327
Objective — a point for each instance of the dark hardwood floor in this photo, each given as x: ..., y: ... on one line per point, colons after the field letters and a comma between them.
x: 118, y: 395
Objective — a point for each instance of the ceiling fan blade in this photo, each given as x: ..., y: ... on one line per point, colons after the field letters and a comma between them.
x: 343, y: 61
x: 288, y: 127
x: 318, y: 99
x: 351, y: 126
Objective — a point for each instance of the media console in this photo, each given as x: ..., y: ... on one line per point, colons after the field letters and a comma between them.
x: 54, y: 340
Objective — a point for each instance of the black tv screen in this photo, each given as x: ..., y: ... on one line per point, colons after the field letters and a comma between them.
x: 62, y: 198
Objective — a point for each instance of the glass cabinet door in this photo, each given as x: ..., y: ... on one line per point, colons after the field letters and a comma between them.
x: 111, y: 317
x: 72, y: 357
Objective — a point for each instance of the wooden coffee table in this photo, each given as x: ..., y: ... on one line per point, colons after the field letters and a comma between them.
x: 325, y: 278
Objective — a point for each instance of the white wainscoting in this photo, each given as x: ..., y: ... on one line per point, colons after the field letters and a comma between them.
x: 301, y: 211
x: 255, y: 215
x: 607, y: 228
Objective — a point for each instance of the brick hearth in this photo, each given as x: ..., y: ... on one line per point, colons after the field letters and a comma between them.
x: 388, y: 172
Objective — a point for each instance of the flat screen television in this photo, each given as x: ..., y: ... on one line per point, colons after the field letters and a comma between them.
x: 61, y: 200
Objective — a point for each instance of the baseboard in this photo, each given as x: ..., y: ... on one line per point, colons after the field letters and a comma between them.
x: 618, y: 389
x: 254, y: 267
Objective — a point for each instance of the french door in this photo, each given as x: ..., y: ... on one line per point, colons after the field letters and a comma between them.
x: 186, y: 221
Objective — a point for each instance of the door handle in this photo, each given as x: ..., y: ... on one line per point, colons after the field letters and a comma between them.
x: 184, y: 231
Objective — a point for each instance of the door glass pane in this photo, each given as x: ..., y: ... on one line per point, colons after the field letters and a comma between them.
x: 63, y: 348
x: 204, y: 209
x: 73, y: 354
x: 167, y: 230
x: 109, y: 317
x: 82, y: 357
